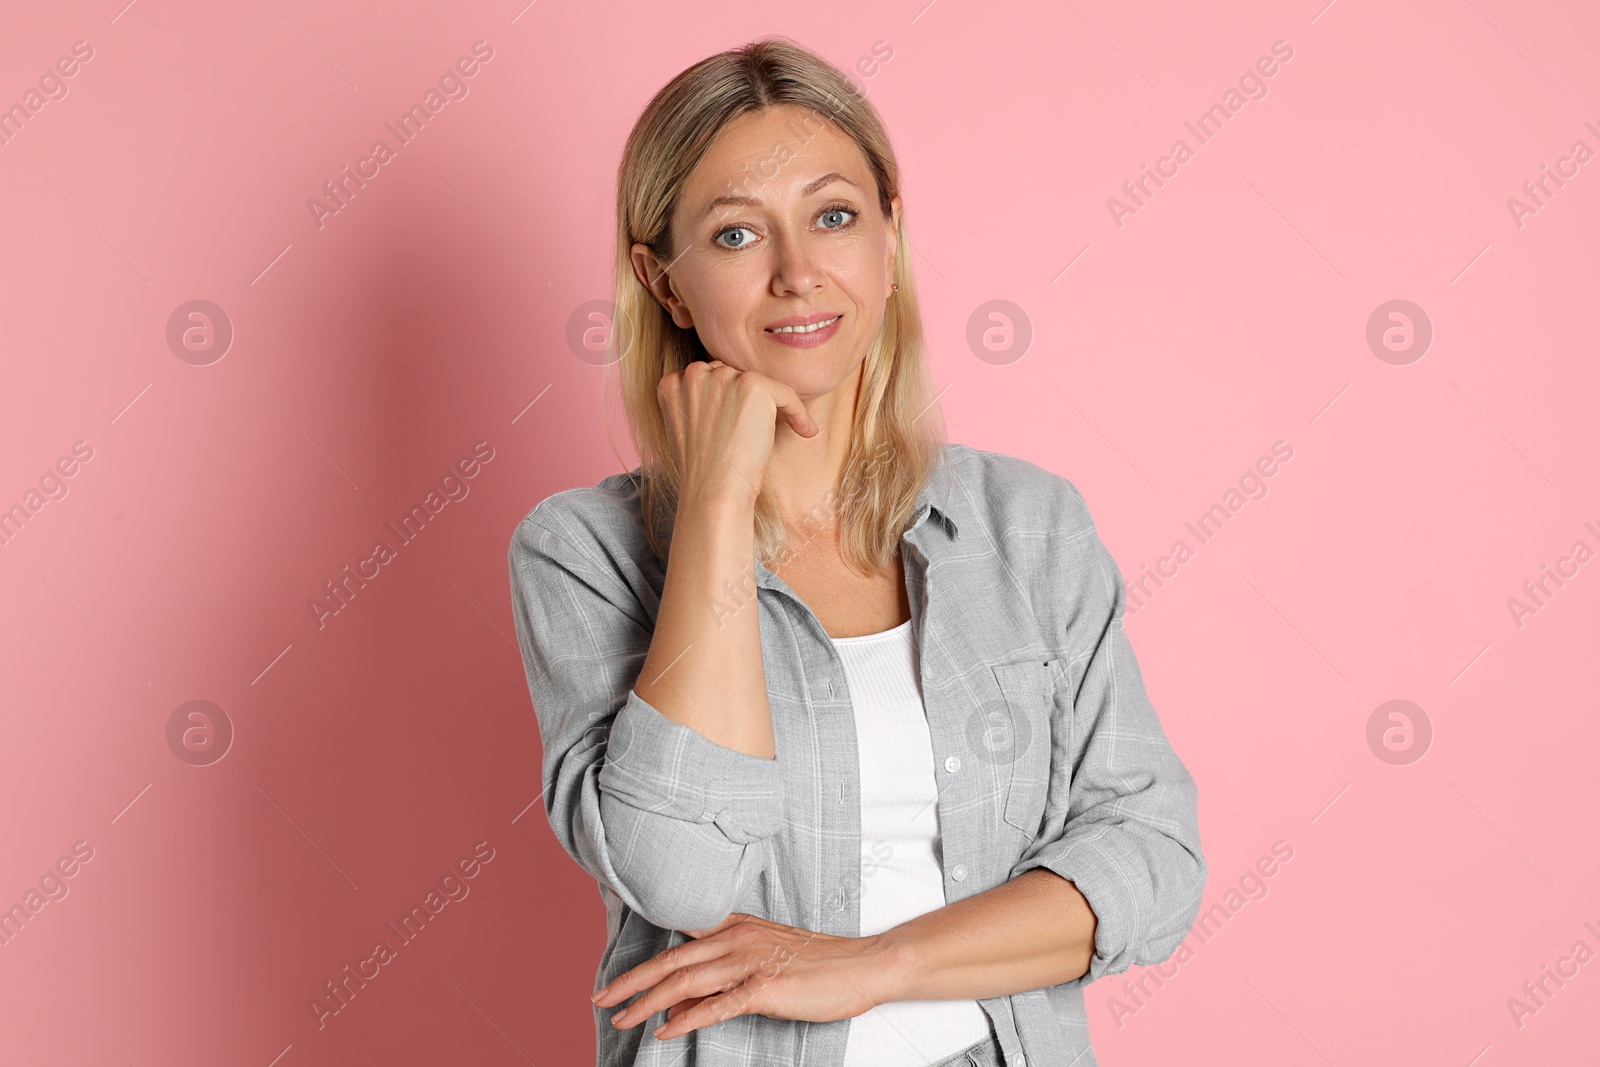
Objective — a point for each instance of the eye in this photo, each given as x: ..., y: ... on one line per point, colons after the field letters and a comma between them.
x: 838, y: 210
x: 720, y: 234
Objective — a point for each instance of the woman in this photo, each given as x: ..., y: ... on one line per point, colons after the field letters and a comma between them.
x: 841, y: 718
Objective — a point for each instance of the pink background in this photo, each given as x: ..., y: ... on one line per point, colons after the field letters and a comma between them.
x: 369, y: 355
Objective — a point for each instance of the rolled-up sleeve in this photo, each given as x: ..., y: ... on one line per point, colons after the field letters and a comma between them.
x: 673, y: 823
x: 1128, y: 835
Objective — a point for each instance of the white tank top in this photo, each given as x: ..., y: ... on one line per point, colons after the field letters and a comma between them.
x: 901, y: 872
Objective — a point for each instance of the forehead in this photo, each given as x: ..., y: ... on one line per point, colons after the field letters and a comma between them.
x: 771, y: 155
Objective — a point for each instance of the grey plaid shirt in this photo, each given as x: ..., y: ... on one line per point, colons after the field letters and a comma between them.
x: 1047, y: 751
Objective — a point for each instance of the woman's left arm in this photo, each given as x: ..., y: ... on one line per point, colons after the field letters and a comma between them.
x: 1115, y: 876
x: 1034, y: 931
x: 1126, y: 831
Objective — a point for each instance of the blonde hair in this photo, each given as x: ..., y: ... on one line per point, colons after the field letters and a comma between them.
x: 898, y: 432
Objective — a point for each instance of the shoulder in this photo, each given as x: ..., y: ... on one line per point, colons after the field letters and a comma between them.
x: 602, y: 522
x: 1009, y: 494
x: 1039, y: 525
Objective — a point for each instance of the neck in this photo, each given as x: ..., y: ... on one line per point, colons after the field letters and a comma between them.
x: 803, y: 470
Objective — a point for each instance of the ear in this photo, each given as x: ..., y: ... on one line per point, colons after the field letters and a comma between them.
x: 654, y: 277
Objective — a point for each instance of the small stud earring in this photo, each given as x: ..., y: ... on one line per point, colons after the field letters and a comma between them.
x: 894, y: 287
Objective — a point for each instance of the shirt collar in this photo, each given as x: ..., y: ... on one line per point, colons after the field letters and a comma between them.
x: 940, y: 499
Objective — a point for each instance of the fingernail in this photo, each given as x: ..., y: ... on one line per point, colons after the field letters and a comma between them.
x: 657, y: 1031
x: 595, y: 999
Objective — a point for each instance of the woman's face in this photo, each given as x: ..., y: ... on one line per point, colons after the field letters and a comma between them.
x: 778, y: 222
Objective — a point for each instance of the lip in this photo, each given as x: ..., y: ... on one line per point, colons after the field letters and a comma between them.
x: 800, y: 320
x: 814, y: 339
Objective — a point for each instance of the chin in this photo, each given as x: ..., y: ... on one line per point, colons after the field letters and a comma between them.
x: 821, y: 369
x: 809, y: 382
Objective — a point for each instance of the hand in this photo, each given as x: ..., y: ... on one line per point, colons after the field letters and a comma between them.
x: 749, y: 965
x: 721, y: 424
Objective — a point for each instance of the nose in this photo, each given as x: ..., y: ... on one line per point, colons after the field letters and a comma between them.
x: 795, y: 270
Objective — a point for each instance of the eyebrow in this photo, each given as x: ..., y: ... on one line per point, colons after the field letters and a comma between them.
x: 750, y: 201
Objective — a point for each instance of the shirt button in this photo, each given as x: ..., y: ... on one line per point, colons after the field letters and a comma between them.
x: 1022, y: 1061
x: 959, y: 872
x: 952, y: 764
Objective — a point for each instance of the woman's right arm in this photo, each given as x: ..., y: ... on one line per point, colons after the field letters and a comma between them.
x: 704, y: 669
x: 658, y: 746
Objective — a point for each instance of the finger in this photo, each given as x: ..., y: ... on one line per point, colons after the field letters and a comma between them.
x: 702, y: 980
x: 683, y: 1006
x: 794, y: 412
x: 707, y: 1011
x: 667, y: 389
x: 653, y: 971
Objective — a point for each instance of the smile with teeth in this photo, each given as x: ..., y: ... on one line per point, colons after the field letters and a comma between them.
x: 813, y: 328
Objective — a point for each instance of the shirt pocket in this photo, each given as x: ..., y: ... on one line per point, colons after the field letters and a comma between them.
x: 1028, y: 693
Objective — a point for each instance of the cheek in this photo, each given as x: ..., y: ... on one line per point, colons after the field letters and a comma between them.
x: 711, y: 288
x: 727, y: 306
x: 723, y: 302
x: 859, y: 265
